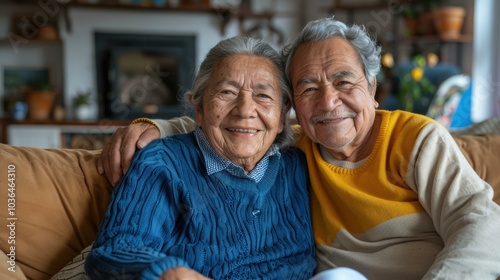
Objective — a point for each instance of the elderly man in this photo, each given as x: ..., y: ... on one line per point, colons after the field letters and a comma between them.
x: 391, y: 194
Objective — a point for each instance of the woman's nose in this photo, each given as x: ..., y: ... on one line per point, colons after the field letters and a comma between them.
x: 245, y: 105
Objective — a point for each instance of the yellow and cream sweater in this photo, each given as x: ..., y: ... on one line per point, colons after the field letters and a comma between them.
x: 414, y: 209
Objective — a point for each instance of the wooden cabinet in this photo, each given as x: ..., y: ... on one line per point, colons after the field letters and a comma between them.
x: 52, y: 134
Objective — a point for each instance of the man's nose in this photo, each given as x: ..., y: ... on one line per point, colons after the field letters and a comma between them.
x: 328, y: 98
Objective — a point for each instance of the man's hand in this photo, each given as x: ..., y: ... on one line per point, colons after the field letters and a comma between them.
x: 117, y: 154
x: 184, y: 273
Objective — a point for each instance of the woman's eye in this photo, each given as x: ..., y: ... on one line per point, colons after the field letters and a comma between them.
x: 226, y: 92
x: 263, y: 95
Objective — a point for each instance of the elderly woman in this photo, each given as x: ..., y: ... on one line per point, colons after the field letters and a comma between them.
x: 225, y: 201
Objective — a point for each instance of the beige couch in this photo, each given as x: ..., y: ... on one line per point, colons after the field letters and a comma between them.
x: 60, y: 199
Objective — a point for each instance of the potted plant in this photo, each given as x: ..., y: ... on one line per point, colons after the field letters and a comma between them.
x: 81, y: 104
x: 410, y: 18
x: 426, y: 10
x: 40, y: 100
x: 449, y: 20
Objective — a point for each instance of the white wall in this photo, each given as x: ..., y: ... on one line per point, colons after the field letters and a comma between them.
x: 486, y: 69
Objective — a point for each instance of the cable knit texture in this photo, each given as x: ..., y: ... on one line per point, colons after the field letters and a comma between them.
x: 168, y: 212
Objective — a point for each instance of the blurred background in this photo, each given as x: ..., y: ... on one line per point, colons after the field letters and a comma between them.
x: 116, y: 60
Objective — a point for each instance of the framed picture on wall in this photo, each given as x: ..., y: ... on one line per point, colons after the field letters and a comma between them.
x: 16, y: 78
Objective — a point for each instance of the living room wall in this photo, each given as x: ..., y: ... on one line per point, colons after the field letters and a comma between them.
x: 78, y: 55
x: 71, y: 64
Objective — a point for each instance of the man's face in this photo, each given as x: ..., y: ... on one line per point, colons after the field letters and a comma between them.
x: 332, y: 98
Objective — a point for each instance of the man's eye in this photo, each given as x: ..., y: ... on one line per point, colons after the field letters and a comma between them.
x: 309, y: 90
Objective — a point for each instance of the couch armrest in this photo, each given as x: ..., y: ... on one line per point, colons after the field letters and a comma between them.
x: 482, y: 152
x: 60, y: 200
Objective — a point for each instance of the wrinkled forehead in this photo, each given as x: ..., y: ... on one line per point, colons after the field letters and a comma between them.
x: 334, y: 52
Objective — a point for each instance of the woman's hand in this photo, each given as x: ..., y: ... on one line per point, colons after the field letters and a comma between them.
x: 182, y: 273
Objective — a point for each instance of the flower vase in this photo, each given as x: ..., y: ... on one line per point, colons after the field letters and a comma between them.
x: 449, y: 21
x: 83, y: 113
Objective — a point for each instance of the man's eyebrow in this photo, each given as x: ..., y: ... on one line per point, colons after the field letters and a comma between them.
x: 307, y: 80
x: 336, y: 75
x: 342, y: 74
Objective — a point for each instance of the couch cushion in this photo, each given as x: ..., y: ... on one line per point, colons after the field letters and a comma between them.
x: 482, y: 152
x: 8, y: 268
x: 60, y: 199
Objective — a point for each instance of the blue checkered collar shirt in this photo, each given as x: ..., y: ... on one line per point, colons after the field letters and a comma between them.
x: 216, y: 163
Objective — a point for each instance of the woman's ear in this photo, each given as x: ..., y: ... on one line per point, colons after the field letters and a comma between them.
x: 283, y: 116
x: 197, y: 108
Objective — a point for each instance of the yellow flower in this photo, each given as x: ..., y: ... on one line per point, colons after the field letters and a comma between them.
x: 417, y: 73
x: 387, y: 60
x: 432, y: 59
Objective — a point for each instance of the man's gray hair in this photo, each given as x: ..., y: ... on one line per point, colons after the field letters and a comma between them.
x: 240, y: 45
x: 328, y: 27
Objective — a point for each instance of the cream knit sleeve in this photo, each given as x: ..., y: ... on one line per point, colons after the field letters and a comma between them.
x: 175, y: 125
x: 460, y: 205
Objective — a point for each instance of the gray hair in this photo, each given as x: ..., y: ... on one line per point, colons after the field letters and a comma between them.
x: 357, y: 36
x: 239, y: 45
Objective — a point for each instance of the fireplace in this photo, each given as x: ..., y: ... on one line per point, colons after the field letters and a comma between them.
x: 142, y: 75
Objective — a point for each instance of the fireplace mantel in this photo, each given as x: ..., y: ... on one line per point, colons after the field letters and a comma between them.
x: 224, y: 13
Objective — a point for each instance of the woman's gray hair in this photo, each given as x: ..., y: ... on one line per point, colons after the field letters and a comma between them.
x: 328, y: 27
x: 240, y: 45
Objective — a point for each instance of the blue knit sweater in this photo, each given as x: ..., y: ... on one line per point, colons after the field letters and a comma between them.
x: 168, y: 212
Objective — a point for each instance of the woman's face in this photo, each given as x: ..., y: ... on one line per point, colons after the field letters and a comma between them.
x: 241, y: 111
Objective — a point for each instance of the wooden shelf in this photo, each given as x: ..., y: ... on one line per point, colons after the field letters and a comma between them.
x: 357, y: 7
x: 103, y: 122
x: 4, y: 41
x: 59, y: 134
x: 428, y: 39
x: 225, y: 13
x: 166, y: 8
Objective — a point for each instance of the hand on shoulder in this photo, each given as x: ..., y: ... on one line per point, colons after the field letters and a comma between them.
x: 118, y: 152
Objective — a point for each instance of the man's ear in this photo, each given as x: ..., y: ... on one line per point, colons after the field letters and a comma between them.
x: 374, y: 91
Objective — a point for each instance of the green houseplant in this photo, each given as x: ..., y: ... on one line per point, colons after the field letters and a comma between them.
x: 82, y: 105
x: 82, y: 98
x: 414, y: 87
